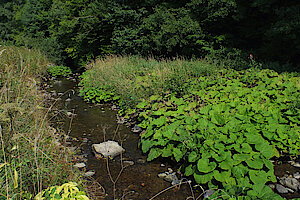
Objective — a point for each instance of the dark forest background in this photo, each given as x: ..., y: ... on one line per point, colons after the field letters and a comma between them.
x: 72, y: 32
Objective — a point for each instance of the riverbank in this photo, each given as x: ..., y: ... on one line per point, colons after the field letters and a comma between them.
x: 31, y: 159
x: 225, y: 127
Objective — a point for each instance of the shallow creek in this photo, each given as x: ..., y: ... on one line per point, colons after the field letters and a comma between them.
x: 93, y: 123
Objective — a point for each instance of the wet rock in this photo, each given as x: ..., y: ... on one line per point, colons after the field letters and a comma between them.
x: 281, y: 189
x: 171, y: 177
x: 136, y: 129
x: 79, y: 165
x: 208, y: 193
x: 296, y: 175
x: 89, y: 173
x: 128, y: 163
x: 141, y: 161
x: 108, y: 149
x: 289, y: 182
x: 162, y: 175
x: 295, y: 164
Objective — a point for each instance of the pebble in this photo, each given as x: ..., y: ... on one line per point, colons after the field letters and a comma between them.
x: 296, y: 175
x: 289, y: 182
x: 162, y: 165
x: 281, y: 189
x: 136, y: 129
x: 89, y: 173
x: 141, y: 161
x: 69, y: 114
x: 128, y: 163
x: 79, y: 165
x: 162, y: 175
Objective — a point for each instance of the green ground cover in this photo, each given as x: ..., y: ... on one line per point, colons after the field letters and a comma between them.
x: 223, y: 126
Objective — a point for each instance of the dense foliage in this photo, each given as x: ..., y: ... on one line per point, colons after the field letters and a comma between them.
x: 30, y: 158
x: 55, y: 71
x: 75, y: 31
x: 223, y: 127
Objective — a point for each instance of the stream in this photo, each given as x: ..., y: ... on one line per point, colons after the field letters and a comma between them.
x: 134, y: 177
x: 94, y: 123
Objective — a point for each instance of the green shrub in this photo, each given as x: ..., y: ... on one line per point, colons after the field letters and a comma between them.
x: 56, y: 71
x: 67, y: 191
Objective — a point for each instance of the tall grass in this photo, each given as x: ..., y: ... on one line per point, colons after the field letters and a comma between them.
x: 30, y: 159
x: 137, y: 78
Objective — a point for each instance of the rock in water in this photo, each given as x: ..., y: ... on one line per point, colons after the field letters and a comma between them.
x: 79, y: 165
x: 108, y: 149
x: 281, y: 189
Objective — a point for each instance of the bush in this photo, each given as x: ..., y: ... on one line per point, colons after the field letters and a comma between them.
x: 56, y: 71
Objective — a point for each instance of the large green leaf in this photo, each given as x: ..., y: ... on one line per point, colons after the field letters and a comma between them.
x: 202, y: 178
x: 193, y: 156
x: 178, y: 154
x: 255, y: 163
x: 205, y: 166
x: 154, y: 153
x: 189, y: 170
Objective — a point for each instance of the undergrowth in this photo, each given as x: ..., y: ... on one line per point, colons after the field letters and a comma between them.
x: 223, y: 126
x: 30, y: 159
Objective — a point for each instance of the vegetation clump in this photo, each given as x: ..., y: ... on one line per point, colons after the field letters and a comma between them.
x: 30, y: 159
x: 55, y: 71
x: 224, y: 126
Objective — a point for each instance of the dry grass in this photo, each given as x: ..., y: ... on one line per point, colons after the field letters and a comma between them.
x: 29, y: 155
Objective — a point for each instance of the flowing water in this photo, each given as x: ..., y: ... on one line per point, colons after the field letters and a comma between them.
x: 92, y: 124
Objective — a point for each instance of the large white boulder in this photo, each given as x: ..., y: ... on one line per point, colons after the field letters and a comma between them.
x: 108, y: 149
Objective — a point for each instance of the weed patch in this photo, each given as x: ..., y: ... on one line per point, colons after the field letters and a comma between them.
x: 223, y: 127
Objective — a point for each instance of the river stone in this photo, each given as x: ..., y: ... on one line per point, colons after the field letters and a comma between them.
x: 296, y: 175
x: 281, y: 189
x: 171, y: 177
x: 162, y: 175
x: 290, y: 183
x: 128, y: 163
x: 136, y: 129
x: 296, y: 164
x: 79, y: 165
x: 108, y: 149
x: 89, y: 173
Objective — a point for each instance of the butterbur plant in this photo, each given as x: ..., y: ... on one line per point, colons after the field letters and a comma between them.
x: 56, y: 71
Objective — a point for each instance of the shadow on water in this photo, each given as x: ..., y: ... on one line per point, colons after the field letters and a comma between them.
x: 97, y: 123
